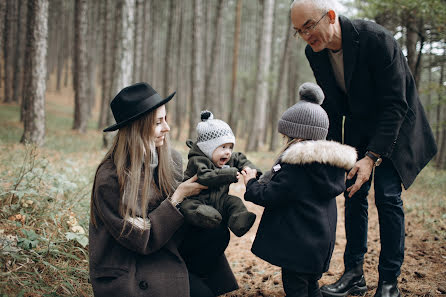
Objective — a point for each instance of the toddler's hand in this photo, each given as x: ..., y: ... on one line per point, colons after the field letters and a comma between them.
x: 248, y: 174
x: 239, y: 176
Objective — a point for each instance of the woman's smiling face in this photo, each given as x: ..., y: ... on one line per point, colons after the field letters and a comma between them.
x: 161, y: 126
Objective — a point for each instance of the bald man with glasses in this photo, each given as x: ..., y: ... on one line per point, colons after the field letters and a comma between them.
x: 373, y: 105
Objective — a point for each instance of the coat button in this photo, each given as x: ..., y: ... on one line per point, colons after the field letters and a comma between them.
x: 143, y: 285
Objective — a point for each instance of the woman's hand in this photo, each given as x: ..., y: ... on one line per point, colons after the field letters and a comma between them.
x: 248, y: 174
x: 187, y: 188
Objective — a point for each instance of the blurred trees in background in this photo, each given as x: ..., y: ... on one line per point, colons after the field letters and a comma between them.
x: 233, y: 57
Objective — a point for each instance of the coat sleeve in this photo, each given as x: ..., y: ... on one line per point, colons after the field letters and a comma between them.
x: 280, y: 190
x: 136, y: 235
x: 214, y: 177
x: 241, y: 161
x: 387, y: 65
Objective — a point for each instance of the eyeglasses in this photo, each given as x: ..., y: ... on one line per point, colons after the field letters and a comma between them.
x: 307, y: 31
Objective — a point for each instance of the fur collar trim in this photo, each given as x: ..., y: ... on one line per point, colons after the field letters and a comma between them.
x: 321, y: 151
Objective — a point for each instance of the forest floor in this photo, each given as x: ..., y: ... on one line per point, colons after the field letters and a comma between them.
x: 423, y: 271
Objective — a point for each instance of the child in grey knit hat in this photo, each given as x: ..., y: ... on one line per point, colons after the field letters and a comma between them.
x: 217, y: 166
x: 298, y: 226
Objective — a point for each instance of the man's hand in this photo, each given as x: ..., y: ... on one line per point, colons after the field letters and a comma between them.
x: 363, y: 169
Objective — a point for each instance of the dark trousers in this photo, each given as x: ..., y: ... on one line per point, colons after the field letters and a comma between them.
x: 387, y: 184
x: 201, y: 250
x: 300, y: 284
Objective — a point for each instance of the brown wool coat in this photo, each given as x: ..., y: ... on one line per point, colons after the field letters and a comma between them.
x: 143, y: 261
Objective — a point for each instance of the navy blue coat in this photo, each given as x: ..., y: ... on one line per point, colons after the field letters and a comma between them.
x: 298, y: 226
x: 382, y: 109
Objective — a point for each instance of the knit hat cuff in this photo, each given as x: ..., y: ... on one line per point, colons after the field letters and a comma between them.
x: 208, y: 147
x: 296, y: 130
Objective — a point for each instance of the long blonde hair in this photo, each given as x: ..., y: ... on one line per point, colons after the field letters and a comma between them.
x: 131, y: 153
x: 289, y: 142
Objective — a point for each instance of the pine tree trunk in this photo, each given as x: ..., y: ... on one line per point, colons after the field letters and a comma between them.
x: 37, y: 33
x: 258, y: 129
x: 145, y: 70
x: 2, y: 26
x: 168, y: 61
x: 276, y: 98
x: 123, y: 53
x: 180, y: 55
x: 9, y: 47
x: 234, y: 106
x: 138, y: 39
x: 210, y: 89
x: 196, y: 69
x: 81, y: 104
x: 20, y: 53
x: 106, y: 63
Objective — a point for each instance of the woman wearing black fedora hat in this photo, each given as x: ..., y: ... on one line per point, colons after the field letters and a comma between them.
x: 135, y: 226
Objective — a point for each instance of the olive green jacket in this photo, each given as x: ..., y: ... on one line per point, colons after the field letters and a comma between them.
x: 216, y: 179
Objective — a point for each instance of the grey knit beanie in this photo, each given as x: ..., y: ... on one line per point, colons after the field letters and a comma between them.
x: 306, y: 119
x: 212, y: 133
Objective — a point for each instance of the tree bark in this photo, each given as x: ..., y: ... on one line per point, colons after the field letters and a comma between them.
x: 209, y: 87
x: 20, y: 53
x: 2, y: 24
x: 180, y: 55
x: 37, y: 33
x: 196, y: 69
x: 234, y: 102
x: 168, y: 61
x: 81, y: 104
x: 258, y: 129
x: 276, y: 101
x: 123, y: 54
x: 106, y: 63
x: 9, y: 47
x: 138, y: 39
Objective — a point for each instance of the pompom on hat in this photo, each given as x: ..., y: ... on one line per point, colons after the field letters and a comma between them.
x: 306, y: 119
x: 212, y: 133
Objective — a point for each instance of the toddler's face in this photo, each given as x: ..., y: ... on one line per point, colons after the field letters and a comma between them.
x: 222, y: 154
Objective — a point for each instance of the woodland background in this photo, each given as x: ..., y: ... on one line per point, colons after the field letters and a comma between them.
x: 61, y: 62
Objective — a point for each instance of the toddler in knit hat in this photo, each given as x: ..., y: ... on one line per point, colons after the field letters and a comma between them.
x: 297, y: 230
x: 217, y: 166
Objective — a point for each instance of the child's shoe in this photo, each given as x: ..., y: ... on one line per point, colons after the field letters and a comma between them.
x: 241, y: 222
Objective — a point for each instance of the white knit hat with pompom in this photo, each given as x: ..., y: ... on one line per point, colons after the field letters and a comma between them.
x: 212, y: 133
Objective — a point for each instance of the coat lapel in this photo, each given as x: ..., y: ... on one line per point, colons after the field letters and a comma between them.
x: 350, y: 46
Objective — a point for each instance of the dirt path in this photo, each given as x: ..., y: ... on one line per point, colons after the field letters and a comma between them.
x: 423, y: 272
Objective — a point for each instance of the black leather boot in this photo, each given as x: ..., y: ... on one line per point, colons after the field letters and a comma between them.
x: 387, y: 289
x: 352, y: 282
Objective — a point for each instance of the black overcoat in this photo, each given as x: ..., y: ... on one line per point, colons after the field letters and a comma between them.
x: 382, y: 109
x: 298, y: 226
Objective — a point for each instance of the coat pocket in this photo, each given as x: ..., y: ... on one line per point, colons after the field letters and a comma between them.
x: 110, y: 282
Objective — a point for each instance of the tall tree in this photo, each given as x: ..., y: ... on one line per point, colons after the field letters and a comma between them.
x: 106, y: 63
x: 168, y: 61
x: 179, y: 112
x: 210, y: 75
x: 139, y: 36
x: 20, y: 52
x: 122, y: 53
x: 9, y: 47
x: 276, y: 102
x: 36, y: 49
x: 234, y: 106
x: 81, y: 104
x: 197, y: 66
x: 2, y: 23
x: 258, y: 129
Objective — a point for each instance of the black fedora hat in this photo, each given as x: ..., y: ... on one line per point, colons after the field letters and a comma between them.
x: 134, y: 101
